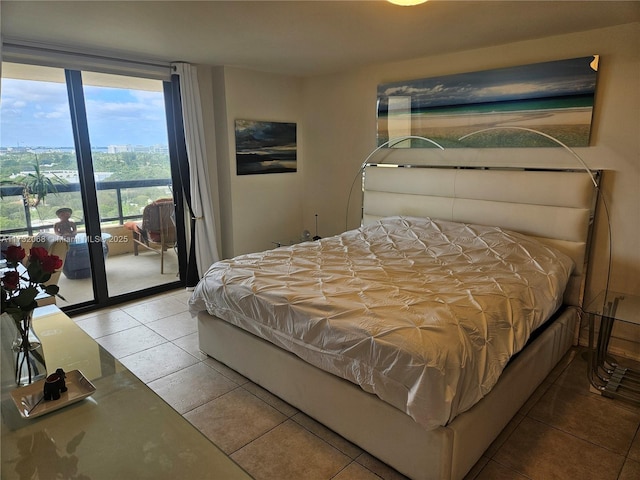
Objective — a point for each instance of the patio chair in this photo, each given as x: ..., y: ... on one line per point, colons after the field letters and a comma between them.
x: 157, y: 231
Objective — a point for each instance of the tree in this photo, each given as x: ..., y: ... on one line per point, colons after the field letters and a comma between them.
x: 36, y: 186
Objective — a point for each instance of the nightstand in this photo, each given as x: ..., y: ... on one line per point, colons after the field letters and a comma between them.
x: 607, y: 377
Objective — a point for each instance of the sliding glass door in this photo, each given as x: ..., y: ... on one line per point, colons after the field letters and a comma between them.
x: 101, y: 141
x: 126, y: 122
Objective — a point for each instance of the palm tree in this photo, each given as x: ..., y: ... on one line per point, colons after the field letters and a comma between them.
x: 36, y: 186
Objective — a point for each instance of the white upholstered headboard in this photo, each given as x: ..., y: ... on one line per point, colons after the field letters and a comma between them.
x: 555, y: 206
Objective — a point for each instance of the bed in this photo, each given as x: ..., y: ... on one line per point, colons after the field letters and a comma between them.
x: 420, y: 334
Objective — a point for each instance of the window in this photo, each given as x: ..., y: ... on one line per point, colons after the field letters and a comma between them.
x: 100, y: 143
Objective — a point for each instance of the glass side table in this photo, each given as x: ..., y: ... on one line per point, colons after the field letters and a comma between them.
x: 607, y: 377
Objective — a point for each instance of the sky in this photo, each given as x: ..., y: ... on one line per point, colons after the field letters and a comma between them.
x: 36, y: 114
x: 528, y: 81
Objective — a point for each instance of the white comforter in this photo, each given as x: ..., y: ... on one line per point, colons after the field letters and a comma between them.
x: 423, y: 313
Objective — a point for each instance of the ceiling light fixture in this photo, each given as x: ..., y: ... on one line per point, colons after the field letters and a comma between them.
x: 406, y: 3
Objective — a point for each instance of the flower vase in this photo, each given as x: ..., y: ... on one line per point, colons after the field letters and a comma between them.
x: 28, y: 354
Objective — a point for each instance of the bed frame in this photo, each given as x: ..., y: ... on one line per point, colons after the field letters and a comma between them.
x: 554, y: 206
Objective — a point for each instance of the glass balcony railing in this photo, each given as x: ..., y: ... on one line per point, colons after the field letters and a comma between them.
x: 118, y: 202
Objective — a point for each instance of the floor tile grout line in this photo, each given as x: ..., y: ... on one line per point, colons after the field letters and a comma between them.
x: 259, y: 436
x: 508, y: 467
x: 223, y: 374
x: 112, y: 333
x: 137, y: 351
x: 205, y: 403
x: 354, y: 460
x: 528, y: 415
x: 635, y: 435
x: 599, y: 398
x: 190, y: 353
x: 506, y: 440
x: 558, y: 379
x: 287, y: 417
x: 265, y: 402
x: 576, y: 437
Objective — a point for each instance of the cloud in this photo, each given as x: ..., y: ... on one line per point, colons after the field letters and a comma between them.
x: 20, y: 95
x: 564, y: 77
x: 37, y: 113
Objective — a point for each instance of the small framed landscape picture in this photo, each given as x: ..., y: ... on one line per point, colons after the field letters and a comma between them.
x: 265, y: 147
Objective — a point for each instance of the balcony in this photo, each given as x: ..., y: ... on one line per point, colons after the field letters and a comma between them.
x: 68, y: 195
x: 126, y: 272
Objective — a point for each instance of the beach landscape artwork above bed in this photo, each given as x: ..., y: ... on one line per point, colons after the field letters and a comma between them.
x: 265, y: 147
x: 555, y: 98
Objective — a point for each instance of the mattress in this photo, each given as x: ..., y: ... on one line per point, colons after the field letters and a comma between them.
x: 423, y: 313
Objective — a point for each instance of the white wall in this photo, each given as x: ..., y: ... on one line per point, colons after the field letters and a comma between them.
x: 256, y: 210
x: 340, y: 126
x: 336, y: 116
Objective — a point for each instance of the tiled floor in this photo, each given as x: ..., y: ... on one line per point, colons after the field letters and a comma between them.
x: 563, y: 432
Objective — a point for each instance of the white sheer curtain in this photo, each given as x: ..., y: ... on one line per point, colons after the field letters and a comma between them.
x: 206, y: 247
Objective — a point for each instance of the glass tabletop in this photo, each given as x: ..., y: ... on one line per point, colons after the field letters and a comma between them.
x: 616, y: 305
x: 123, y: 430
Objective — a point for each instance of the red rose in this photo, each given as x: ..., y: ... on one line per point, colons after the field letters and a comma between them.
x: 51, y: 263
x: 11, y: 280
x: 38, y: 253
x: 14, y: 254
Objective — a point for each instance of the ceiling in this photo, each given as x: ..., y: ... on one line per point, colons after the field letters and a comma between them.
x: 298, y: 37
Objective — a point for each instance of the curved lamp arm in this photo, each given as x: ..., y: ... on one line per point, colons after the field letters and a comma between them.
x: 389, y: 143
x: 586, y: 169
x: 553, y: 139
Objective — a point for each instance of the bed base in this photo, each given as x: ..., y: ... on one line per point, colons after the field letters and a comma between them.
x: 378, y: 428
x: 554, y: 206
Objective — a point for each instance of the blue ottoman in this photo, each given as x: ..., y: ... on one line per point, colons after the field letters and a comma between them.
x: 77, y: 264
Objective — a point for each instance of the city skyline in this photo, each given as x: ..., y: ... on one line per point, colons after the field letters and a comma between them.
x: 157, y: 148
